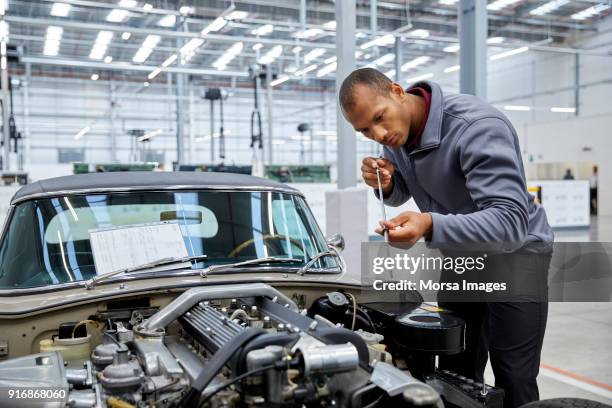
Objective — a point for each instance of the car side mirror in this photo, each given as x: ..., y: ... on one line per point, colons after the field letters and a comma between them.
x: 336, y: 241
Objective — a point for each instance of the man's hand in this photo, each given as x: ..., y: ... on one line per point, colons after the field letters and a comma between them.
x: 408, y: 227
x: 368, y: 172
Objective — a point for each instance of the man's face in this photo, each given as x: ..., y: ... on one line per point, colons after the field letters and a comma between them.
x: 384, y: 119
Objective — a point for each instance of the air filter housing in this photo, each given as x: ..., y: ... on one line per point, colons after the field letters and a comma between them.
x: 419, y: 328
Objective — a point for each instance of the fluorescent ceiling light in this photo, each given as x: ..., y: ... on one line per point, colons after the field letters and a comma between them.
x: 563, y: 110
x: 591, y: 11
x: 191, y: 46
x: 167, y: 21
x: 519, y: 108
x: 52, y: 40
x: 330, y: 60
x: 187, y: 57
x: 147, y: 7
x: 4, y: 34
x: 95, y: 77
x: 184, y: 10
x: 215, y: 135
x: 228, y: 56
x: 271, y: 55
x: 448, y: 2
x: 279, y: 80
x: 237, y: 15
x: 452, y: 69
x: 119, y: 15
x: 126, y: 35
x: 257, y: 46
x: 330, y: 25
x: 149, y: 134
x: 263, y: 30
x: 60, y: 9
x: 390, y: 73
x: 278, y: 142
x: 3, y: 6
x: 82, y: 132
x: 99, y: 48
x: 54, y: 33
x: 330, y: 133
x: 151, y: 41
x: 548, y: 7
x: 146, y: 48
x: 419, y: 33
x: 236, y: 48
x: 500, y: 4
x: 51, y: 48
x: 415, y: 63
x: 495, y: 40
x: 154, y: 73
x: 169, y: 60
x: 314, y: 54
x: 509, y: 53
x: 97, y: 51
x: 291, y: 69
x: 146, y: 84
x: 308, y: 33
x: 306, y: 70
x: 328, y: 69
x: 452, y: 48
x: 384, y: 59
x: 382, y: 41
x: 108, y: 59
x: 215, y: 26
x: 420, y: 78
x: 296, y: 49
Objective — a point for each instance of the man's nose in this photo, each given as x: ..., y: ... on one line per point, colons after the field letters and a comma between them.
x: 379, y: 134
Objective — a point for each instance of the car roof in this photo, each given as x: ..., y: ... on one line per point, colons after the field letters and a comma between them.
x: 92, y: 183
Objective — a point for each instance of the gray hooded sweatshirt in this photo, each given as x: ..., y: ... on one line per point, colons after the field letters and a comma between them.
x: 467, y: 171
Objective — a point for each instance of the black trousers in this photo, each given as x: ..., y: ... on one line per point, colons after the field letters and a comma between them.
x: 593, y: 200
x: 510, y: 333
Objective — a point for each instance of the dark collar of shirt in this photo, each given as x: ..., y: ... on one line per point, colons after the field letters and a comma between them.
x: 422, y: 91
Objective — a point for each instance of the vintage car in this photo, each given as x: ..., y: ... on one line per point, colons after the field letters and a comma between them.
x: 203, y: 289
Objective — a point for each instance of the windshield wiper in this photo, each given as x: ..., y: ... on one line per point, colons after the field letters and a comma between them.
x: 319, y: 255
x: 160, y: 262
x: 270, y: 259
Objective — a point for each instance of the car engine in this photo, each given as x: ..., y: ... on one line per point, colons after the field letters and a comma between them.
x: 250, y: 346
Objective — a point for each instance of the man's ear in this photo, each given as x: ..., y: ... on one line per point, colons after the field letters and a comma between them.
x: 397, y: 90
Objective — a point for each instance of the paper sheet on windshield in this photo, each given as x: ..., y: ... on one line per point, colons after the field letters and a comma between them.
x: 124, y: 247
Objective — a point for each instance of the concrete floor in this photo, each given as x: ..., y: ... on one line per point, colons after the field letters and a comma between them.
x: 577, y: 352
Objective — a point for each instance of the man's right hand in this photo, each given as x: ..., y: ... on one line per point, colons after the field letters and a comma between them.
x: 368, y: 172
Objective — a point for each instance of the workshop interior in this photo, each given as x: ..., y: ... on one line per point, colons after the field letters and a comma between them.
x: 189, y: 200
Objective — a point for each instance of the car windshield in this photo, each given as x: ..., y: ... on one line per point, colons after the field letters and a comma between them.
x: 48, y: 240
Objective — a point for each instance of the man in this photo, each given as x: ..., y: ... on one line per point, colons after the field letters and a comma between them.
x: 459, y: 158
x: 593, y: 191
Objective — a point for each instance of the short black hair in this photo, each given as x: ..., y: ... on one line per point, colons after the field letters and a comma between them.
x: 371, y: 77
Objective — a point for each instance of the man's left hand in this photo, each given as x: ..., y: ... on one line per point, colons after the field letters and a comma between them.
x: 408, y: 227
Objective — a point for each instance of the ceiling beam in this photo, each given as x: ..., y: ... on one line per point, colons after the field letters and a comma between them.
x: 122, y: 66
x: 45, y: 22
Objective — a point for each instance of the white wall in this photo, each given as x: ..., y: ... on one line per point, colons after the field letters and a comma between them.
x: 566, y: 140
